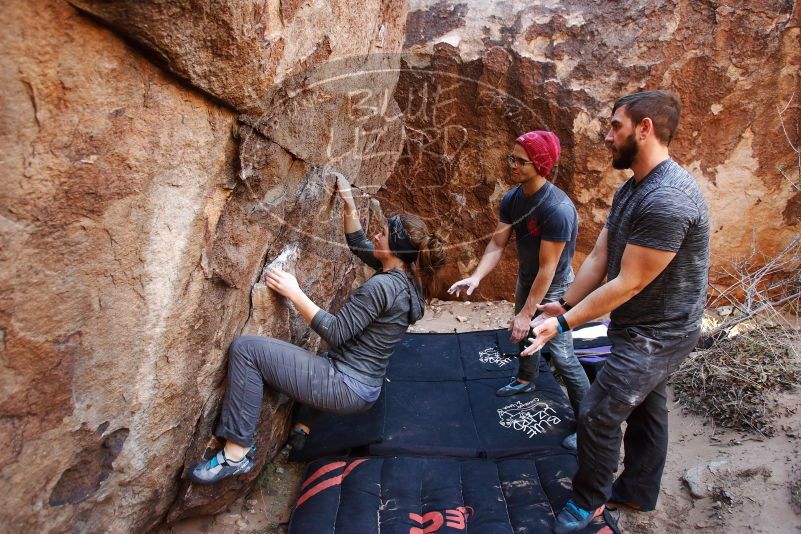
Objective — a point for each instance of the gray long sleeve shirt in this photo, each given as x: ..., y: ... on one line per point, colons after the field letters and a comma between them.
x: 363, y: 334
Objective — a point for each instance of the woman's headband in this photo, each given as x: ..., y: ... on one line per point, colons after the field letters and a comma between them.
x: 399, y: 242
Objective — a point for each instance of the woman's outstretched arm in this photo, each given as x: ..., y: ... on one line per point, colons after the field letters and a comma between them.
x: 350, y: 215
x: 285, y: 284
x: 362, y: 308
x: 357, y: 240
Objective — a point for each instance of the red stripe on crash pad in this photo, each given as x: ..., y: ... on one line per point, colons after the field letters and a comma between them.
x: 325, y: 484
x: 327, y: 468
x: 353, y: 465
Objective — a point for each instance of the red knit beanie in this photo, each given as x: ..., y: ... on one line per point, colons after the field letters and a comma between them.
x: 543, y: 149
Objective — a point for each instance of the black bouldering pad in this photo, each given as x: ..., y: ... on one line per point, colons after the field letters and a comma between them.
x: 519, y: 424
x: 337, y: 434
x: 482, y: 357
x: 426, y: 358
x: 430, y: 418
x: 466, y: 418
x: 402, y: 495
x: 457, y: 415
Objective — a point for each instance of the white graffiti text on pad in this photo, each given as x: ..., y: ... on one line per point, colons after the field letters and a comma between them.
x: 493, y: 357
x: 532, y: 417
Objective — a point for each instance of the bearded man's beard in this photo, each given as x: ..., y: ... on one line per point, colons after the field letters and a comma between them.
x: 626, y: 153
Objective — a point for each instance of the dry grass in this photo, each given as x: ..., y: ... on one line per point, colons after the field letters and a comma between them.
x: 737, y: 380
x: 759, y: 285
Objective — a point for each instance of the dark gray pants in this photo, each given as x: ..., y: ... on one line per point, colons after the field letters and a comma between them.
x: 631, y: 387
x: 310, y: 379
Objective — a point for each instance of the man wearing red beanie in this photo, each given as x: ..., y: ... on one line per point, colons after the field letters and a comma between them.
x: 546, y: 225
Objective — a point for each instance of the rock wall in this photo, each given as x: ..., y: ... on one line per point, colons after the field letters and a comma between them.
x: 157, y: 156
x: 476, y: 74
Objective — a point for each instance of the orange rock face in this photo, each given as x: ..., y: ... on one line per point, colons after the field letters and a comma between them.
x: 137, y: 214
x: 479, y: 73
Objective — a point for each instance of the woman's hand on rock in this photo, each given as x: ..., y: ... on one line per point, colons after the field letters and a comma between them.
x: 283, y: 283
x: 345, y: 191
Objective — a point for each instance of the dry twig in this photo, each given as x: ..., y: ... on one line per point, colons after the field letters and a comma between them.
x: 796, y: 183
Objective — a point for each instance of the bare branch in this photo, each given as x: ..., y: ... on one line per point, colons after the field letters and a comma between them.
x: 793, y: 147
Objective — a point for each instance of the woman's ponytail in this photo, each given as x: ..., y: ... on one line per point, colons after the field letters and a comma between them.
x: 431, y: 255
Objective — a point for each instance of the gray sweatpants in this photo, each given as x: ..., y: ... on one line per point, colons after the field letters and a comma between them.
x: 309, y: 379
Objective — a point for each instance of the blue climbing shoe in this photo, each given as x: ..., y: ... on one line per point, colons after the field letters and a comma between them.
x: 572, y: 518
x: 219, y: 467
x: 514, y: 388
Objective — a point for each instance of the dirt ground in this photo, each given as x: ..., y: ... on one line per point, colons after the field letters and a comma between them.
x: 751, y: 479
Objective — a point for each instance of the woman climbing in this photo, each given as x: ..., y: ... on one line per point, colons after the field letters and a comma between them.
x: 361, y: 336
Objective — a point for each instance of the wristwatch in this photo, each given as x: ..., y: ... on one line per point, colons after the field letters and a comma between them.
x: 564, y: 304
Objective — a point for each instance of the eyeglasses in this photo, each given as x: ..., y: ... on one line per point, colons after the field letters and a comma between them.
x: 514, y: 161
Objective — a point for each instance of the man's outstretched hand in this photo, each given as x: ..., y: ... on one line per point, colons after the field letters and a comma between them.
x: 551, y: 309
x: 545, y: 326
x: 468, y: 285
x: 546, y: 331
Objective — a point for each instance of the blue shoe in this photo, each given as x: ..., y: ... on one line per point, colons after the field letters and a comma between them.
x: 219, y: 467
x: 572, y: 518
x: 570, y: 442
x: 514, y: 388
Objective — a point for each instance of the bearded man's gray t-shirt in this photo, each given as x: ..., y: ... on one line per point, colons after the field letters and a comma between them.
x: 665, y: 211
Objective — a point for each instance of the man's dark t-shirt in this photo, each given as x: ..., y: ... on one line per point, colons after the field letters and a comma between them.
x: 548, y: 214
x: 665, y: 211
